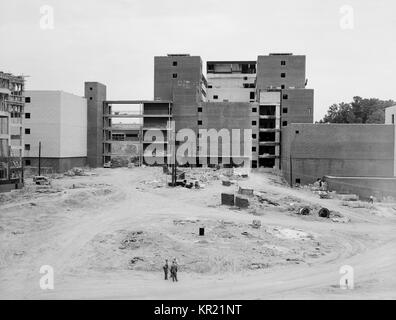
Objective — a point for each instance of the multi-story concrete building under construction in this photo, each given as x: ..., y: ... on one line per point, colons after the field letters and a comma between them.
x: 259, y: 97
x: 11, y: 138
x: 262, y: 96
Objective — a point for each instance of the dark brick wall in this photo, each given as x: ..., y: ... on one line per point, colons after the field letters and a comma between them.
x: 228, y: 115
x: 188, y: 71
x: 269, y: 69
x: 184, y: 90
x: 59, y: 165
x: 337, y: 150
x: 299, y: 104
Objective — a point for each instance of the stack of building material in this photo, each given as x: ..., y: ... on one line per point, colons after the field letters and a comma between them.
x: 227, y: 199
x: 241, y: 202
x: 246, y: 191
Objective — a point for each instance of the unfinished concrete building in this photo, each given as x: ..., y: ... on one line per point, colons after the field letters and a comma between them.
x: 261, y: 96
x: 131, y: 128
x: 125, y: 132
x: 11, y: 136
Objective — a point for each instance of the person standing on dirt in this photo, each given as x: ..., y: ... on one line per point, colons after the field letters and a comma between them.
x: 173, y: 270
x: 166, y: 269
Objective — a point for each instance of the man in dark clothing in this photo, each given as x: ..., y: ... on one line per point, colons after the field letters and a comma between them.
x: 173, y: 271
x: 166, y: 268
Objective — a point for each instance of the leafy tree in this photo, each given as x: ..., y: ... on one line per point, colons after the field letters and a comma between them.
x: 360, y: 110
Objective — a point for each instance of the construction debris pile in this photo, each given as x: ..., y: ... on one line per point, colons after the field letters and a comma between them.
x: 78, y: 172
x: 194, y: 178
x: 259, y: 202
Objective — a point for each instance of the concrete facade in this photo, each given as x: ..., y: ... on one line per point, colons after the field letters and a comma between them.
x: 95, y: 93
x: 12, y: 103
x: 282, y: 71
x: 390, y: 118
x: 59, y: 121
x: 311, y: 151
x: 131, y: 127
x: 297, y: 106
x: 178, y: 71
x: 229, y: 116
x: 231, y: 81
x: 52, y: 165
x: 364, y: 187
x: 390, y: 115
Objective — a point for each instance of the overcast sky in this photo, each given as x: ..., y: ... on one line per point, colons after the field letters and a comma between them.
x: 114, y: 42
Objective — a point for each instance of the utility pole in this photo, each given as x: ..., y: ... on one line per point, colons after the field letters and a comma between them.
x: 173, y: 150
x: 39, y: 160
x: 291, y: 171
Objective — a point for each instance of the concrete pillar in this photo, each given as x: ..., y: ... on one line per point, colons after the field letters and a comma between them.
x: 95, y: 93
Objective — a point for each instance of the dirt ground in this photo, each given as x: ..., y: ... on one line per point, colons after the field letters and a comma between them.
x: 107, y: 234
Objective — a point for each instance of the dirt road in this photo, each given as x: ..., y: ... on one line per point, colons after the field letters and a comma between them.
x: 106, y: 236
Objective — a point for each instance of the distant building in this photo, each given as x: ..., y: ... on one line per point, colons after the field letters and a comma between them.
x: 11, y: 137
x: 390, y: 114
x: 262, y: 96
x: 58, y: 120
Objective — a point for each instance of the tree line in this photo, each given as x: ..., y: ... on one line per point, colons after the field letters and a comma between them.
x: 360, y: 110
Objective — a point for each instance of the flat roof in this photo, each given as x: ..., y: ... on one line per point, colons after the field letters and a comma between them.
x: 136, y: 101
x: 232, y: 62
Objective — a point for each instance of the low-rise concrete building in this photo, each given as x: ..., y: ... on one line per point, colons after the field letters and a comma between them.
x: 58, y: 120
x: 350, y: 151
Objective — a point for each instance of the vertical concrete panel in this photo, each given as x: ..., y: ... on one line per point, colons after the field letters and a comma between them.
x: 95, y: 93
